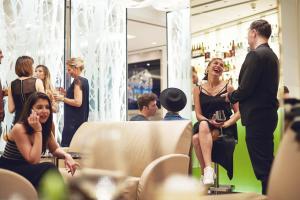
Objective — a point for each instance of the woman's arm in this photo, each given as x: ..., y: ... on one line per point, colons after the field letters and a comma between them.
x: 77, y: 101
x: 39, y: 86
x: 54, y: 104
x: 54, y: 148
x: 11, y: 103
x: 30, y: 150
x: 198, y: 111
x: 236, y: 116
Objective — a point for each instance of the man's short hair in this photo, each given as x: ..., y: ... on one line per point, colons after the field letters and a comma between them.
x: 262, y: 27
x: 145, y: 100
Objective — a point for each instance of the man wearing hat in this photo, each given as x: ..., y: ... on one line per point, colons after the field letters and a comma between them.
x: 174, y: 100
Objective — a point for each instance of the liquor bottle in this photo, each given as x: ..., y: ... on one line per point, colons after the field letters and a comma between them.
x: 232, y: 49
x: 207, y: 54
x: 202, y: 51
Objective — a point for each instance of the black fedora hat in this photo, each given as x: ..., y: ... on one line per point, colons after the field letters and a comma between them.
x: 173, y: 99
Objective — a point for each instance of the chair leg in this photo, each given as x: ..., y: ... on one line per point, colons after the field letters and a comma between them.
x: 217, y: 188
x: 216, y: 166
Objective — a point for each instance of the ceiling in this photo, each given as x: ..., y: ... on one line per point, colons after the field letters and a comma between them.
x: 149, y: 25
x: 206, y: 14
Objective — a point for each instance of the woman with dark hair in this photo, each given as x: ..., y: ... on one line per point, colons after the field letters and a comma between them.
x: 21, y: 88
x: 29, y: 138
x: 208, y: 100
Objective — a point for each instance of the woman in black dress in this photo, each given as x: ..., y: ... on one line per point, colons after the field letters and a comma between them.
x: 208, y: 100
x: 76, y: 101
x: 29, y: 138
x: 21, y: 88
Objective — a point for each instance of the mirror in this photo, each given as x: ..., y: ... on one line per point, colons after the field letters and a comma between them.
x: 146, y: 55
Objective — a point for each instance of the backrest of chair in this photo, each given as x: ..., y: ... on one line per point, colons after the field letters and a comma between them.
x: 14, y: 184
x: 284, y: 179
x: 141, y: 142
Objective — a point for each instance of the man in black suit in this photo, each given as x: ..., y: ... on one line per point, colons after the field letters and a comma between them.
x: 257, y: 97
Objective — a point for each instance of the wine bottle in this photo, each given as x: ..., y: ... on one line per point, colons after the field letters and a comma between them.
x: 232, y: 49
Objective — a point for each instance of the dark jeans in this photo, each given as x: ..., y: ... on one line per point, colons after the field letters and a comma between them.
x: 260, y: 144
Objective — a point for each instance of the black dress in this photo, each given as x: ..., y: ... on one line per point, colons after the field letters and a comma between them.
x: 21, y: 90
x: 13, y: 160
x: 223, y: 148
x: 75, y: 116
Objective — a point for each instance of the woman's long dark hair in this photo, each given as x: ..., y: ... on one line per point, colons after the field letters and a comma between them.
x: 46, y: 127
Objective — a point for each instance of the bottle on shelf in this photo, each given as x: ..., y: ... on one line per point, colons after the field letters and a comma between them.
x: 207, y: 54
x: 202, y: 51
x: 232, y: 51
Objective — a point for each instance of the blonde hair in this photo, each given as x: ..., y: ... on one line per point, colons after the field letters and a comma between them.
x: 47, y: 80
x: 76, y: 63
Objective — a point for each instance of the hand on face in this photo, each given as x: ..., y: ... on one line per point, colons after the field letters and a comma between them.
x: 34, y: 121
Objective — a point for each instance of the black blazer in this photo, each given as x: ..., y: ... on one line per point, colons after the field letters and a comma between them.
x: 258, y: 86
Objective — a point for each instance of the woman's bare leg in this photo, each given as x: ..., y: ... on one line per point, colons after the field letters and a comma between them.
x: 205, y: 140
x: 198, y: 151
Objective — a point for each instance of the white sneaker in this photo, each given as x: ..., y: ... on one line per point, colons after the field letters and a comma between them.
x: 209, y: 174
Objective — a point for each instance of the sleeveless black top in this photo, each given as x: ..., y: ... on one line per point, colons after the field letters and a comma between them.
x: 210, y: 104
x: 77, y: 115
x: 21, y: 90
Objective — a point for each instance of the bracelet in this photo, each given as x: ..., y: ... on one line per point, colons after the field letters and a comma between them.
x: 37, y: 131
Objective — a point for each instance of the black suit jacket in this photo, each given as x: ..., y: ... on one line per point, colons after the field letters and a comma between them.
x: 258, y: 86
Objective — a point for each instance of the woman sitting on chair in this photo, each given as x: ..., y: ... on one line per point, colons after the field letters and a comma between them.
x: 208, y: 100
x: 29, y: 138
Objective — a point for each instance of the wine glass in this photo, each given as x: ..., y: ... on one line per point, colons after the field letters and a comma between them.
x: 220, y: 117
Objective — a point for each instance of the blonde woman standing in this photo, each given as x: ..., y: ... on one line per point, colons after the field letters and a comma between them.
x: 76, y: 101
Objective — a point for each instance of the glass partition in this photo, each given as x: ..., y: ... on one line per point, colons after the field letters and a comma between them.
x: 98, y: 36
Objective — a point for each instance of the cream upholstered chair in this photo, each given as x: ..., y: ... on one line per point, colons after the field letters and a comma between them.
x: 152, y: 150
x: 15, y: 186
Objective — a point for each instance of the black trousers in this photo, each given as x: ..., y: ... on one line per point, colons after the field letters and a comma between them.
x: 260, y: 144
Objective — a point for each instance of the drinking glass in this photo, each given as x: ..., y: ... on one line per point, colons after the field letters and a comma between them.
x: 220, y: 117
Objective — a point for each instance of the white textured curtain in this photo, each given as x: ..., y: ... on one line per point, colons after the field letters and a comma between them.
x: 179, y: 57
x: 34, y: 28
x: 98, y: 35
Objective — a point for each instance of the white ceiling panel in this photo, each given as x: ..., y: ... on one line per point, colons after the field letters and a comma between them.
x: 206, y: 14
